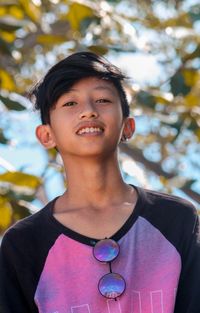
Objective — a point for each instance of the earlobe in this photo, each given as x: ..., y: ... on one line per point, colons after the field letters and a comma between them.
x: 44, y: 135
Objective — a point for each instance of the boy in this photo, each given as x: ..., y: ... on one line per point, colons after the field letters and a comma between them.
x: 103, y: 246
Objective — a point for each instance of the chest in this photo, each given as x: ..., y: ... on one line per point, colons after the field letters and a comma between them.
x: 95, y: 224
x: 148, y: 262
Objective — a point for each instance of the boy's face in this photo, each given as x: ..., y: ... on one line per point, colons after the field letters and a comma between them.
x: 87, y: 120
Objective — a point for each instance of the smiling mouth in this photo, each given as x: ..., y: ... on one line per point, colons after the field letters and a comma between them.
x: 90, y: 130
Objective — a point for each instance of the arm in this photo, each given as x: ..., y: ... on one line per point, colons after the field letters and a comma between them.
x: 188, y: 294
x: 12, y: 297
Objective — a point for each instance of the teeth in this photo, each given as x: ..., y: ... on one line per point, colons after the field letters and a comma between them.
x: 90, y: 130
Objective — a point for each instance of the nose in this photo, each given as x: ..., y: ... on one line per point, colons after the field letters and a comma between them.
x: 88, y: 111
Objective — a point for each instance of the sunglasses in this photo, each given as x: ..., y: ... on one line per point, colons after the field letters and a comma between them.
x: 111, y: 285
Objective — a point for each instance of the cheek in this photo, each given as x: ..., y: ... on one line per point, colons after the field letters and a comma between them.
x: 114, y: 112
x: 116, y: 119
x: 58, y: 127
x: 116, y: 125
x: 59, y: 120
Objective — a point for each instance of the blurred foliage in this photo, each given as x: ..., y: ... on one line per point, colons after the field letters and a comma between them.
x: 35, y: 34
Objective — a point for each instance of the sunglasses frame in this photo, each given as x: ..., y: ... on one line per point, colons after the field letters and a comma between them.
x: 109, y: 261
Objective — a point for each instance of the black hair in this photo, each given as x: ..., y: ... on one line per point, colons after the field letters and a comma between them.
x: 63, y: 75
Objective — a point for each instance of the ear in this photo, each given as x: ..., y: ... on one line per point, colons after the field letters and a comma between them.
x: 129, y: 128
x: 44, y: 135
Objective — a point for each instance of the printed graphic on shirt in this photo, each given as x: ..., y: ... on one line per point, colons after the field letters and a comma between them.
x: 149, y: 263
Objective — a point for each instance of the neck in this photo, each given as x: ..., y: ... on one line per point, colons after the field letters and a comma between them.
x: 93, y: 182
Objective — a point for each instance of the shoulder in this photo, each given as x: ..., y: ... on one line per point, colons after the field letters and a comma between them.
x: 167, y: 204
x: 25, y: 245
x: 176, y: 218
x: 33, y: 228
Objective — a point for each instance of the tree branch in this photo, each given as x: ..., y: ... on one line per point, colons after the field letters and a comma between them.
x: 138, y: 156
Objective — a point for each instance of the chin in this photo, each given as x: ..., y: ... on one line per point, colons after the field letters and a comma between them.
x: 95, y: 150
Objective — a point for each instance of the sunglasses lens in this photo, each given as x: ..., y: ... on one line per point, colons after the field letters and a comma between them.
x: 106, y: 250
x: 112, y: 285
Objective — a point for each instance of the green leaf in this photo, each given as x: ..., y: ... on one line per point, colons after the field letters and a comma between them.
x: 11, y: 210
x: 3, y: 139
x: 191, y: 76
x: 178, y: 84
x: 50, y: 39
x: 98, y: 49
x: 146, y: 99
x: 12, y: 104
x: 5, y: 213
x: 52, y: 153
x: 9, y: 27
x: 197, y: 133
x: 8, y: 36
x: 6, y: 81
x: 19, y: 211
x: 20, y: 179
x: 193, y: 125
x: 191, y: 100
x: 5, y: 48
x: 189, y: 183
x: 161, y: 98
x: 77, y: 13
x: 31, y: 10
x: 182, y: 20
x: 18, y: 193
x: 16, y: 11
x: 84, y: 24
x: 194, y: 13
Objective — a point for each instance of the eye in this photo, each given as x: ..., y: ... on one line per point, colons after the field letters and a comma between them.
x: 103, y: 100
x: 69, y: 104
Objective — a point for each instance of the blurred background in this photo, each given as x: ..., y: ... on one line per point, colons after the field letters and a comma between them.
x: 156, y: 43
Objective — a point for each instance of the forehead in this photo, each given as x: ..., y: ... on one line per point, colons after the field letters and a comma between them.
x: 93, y: 83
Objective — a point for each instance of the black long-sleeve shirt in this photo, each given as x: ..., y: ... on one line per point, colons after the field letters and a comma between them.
x: 46, y: 267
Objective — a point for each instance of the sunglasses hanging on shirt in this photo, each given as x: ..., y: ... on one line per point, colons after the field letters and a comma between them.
x: 111, y: 285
